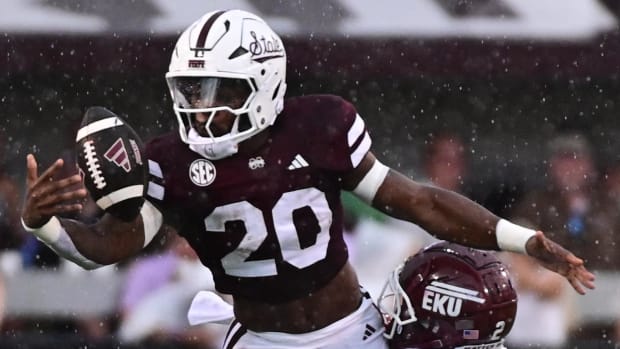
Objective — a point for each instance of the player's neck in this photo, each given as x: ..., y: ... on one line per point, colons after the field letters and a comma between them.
x: 252, y: 145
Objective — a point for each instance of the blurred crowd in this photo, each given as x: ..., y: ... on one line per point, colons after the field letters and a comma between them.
x: 577, y: 204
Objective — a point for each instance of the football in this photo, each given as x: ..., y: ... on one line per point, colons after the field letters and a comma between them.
x: 109, y: 158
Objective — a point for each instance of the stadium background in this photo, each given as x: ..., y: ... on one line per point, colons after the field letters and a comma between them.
x: 505, y: 89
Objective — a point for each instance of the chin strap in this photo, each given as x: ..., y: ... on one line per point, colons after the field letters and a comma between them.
x: 211, y: 151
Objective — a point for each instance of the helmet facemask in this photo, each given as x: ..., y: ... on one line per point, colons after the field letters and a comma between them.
x: 395, y: 305
x: 200, y: 102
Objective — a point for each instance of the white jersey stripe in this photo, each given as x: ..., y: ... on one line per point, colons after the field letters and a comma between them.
x: 356, y: 130
x: 129, y: 192
x: 361, y: 150
x: 155, y: 170
x: 155, y: 191
x: 98, y: 126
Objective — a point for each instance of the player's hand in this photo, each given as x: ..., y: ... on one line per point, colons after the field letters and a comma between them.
x: 556, y: 258
x: 47, y: 196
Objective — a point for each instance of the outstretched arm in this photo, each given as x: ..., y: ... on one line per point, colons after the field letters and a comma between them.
x: 453, y: 217
x: 107, y: 241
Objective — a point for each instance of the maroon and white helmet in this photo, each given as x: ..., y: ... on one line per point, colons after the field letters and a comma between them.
x: 449, y: 296
x: 224, y: 51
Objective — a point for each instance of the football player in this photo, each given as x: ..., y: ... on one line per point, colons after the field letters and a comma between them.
x: 449, y: 296
x: 252, y: 180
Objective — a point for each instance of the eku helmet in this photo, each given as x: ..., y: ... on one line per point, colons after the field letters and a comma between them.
x: 449, y: 296
x: 223, y: 51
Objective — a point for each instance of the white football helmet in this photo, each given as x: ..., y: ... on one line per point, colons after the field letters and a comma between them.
x: 226, y: 61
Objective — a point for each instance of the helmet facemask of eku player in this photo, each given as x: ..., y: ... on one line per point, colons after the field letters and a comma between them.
x: 226, y: 63
x: 449, y: 296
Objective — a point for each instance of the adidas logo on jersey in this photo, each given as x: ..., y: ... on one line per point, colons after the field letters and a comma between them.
x: 298, y: 162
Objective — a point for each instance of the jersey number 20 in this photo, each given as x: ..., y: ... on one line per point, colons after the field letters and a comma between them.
x: 235, y: 263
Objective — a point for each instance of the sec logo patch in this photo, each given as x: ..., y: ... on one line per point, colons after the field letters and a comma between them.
x: 202, y: 172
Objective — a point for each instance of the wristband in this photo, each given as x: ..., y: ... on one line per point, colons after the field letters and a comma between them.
x: 512, y: 237
x: 367, y: 188
x: 55, y: 237
x: 48, y: 232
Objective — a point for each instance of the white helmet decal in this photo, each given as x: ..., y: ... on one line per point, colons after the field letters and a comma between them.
x: 261, y: 45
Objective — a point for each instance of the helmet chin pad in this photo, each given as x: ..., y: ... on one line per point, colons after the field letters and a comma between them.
x: 211, y: 150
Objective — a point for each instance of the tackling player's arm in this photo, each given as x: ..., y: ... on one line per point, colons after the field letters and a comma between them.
x: 453, y: 217
x: 107, y: 241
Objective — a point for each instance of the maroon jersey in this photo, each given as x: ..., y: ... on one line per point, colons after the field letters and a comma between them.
x: 269, y: 225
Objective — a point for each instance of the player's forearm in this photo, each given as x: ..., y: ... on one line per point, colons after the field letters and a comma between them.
x: 106, y: 242
x: 89, y: 246
x: 53, y: 234
x: 445, y: 214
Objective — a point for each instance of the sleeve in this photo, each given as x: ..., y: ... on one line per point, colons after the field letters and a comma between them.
x: 155, y: 191
x: 346, y: 140
x: 156, y: 181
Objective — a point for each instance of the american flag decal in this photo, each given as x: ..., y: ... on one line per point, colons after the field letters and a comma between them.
x: 470, y: 334
x: 117, y: 154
